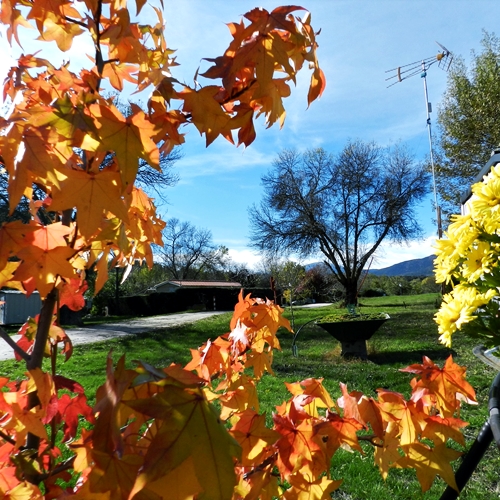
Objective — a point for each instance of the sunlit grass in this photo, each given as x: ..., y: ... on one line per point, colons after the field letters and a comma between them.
x: 410, y: 334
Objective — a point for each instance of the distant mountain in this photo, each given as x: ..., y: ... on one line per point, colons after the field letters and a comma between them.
x: 414, y: 267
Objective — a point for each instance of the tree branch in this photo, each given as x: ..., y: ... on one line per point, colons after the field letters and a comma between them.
x: 371, y: 439
x: 4, y: 335
x: 7, y: 438
x: 67, y: 464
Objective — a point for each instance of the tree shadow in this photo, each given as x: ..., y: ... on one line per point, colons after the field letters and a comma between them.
x: 409, y: 357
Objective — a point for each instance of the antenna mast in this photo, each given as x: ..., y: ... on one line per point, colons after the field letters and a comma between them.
x: 444, y: 60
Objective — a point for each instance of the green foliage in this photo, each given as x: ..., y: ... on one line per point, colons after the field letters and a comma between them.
x: 468, y: 122
x: 334, y: 318
x: 398, y: 285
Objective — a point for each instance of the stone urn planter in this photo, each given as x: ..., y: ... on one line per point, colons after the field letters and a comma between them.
x: 352, y: 331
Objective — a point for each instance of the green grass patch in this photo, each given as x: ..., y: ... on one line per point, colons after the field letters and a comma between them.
x: 402, y: 340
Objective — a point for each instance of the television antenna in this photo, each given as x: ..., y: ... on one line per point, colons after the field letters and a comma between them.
x: 443, y: 60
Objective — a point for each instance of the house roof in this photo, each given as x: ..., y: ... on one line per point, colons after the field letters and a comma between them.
x: 200, y: 284
x: 494, y: 159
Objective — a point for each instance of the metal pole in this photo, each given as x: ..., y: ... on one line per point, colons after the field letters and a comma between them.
x: 427, y: 107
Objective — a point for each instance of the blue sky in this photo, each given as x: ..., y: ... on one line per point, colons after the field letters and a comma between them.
x: 359, y: 40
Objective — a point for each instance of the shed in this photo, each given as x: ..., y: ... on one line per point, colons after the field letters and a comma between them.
x: 174, y: 285
x: 16, y: 306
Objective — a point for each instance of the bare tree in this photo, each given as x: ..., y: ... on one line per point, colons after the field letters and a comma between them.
x: 342, y: 207
x: 188, y: 251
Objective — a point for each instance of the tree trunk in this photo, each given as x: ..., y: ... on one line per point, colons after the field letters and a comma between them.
x: 351, y: 294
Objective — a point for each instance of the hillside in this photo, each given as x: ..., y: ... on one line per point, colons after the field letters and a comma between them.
x: 414, y: 267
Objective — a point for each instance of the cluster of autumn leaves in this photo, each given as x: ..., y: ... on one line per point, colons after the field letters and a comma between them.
x: 73, y: 155
x: 158, y: 430
x: 65, y: 137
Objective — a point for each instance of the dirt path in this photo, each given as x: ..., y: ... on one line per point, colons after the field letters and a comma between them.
x: 100, y: 333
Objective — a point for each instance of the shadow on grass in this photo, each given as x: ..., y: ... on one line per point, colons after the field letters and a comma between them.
x: 409, y: 357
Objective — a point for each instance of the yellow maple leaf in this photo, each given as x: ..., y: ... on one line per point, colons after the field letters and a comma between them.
x: 60, y: 32
x: 430, y: 462
x: 387, y: 455
x: 188, y: 426
x: 128, y: 138
x: 92, y: 195
x: 253, y: 436
x: 7, y: 273
x: 207, y: 114
x: 184, y: 489
x: 303, y: 488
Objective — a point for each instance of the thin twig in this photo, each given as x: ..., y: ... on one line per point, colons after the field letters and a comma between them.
x: 75, y: 21
x: 19, y: 350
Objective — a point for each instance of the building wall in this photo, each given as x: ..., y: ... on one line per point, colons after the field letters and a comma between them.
x: 17, y: 307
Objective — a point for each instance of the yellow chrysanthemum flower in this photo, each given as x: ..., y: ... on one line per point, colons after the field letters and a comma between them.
x: 450, y: 317
x: 463, y: 232
x: 478, y: 262
x: 485, y: 208
x: 469, y: 254
x: 458, y: 308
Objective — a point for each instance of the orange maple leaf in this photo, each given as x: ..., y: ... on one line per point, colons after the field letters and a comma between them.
x: 188, y: 487
x: 241, y: 309
x: 261, y: 362
x: 387, y: 454
x: 117, y: 73
x: 71, y: 294
x: 349, y: 403
x: 49, y: 237
x: 13, y: 236
x: 268, y: 314
x: 441, y: 429
x: 23, y: 421
x: 370, y: 413
x: 7, y: 274
x: 336, y: 431
x: 443, y: 383
x: 239, y: 396
x: 107, y: 435
x: 114, y: 473
x: 45, y: 266
x: 296, y: 448
x: 12, y: 18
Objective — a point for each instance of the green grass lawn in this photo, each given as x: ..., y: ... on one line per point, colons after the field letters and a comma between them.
x: 403, y: 340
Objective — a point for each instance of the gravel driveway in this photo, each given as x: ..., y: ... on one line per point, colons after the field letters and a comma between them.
x: 99, y: 333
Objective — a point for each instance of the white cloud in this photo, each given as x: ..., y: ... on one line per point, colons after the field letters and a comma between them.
x: 245, y: 256
x: 218, y: 160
